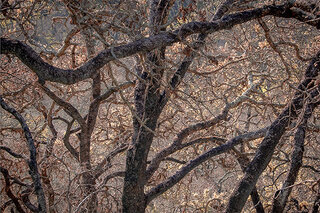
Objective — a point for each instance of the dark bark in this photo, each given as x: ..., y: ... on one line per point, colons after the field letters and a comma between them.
x: 83, y: 155
x: 12, y: 153
x: 171, y: 181
x: 277, y: 128
x: 244, y: 161
x: 47, y: 72
x: 88, y: 180
x: 88, y: 177
x: 316, y: 204
x: 256, y: 200
x: 147, y: 111
x: 144, y: 122
x: 32, y: 161
x: 26, y: 201
x: 8, y: 191
x: 67, y: 107
x: 86, y: 126
x: 186, y: 62
x: 281, y: 196
x: 148, y: 101
x: 66, y: 141
x: 177, y: 143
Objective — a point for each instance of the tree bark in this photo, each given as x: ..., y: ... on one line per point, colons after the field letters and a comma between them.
x: 281, y: 196
x: 244, y: 161
x: 148, y: 109
x: 32, y: 161
x: 144, y: 123
x: 277, y: 129
x: 47, y: 72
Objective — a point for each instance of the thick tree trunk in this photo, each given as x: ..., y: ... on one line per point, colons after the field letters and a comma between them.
x: 244, y: 161
x: 316, y: 203
x: 87, y: 177
x: 133, y: 194
x: 148, y: 108
x: 144, y: 122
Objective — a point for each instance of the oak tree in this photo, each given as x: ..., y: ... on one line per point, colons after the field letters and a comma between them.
x: 159, y: 105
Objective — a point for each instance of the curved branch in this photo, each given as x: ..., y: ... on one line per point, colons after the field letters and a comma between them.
x: 9, y: 193
x: 171, y: 181
x: 281, y: 196
x: 100, y: 168
x: 7, y: 149
x: 67, y: 107
x: 66, y: 141
x: 47, y: 72
x: 277, y: 129
x: 177, y: 143
x: 113, y: 175
x: 32, y: 162
x: 186, y: 62
x: 26, y: 201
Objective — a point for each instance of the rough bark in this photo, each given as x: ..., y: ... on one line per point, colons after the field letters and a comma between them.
x: 148, y: 101
x: 316, y: 203
x: 85, y: 142
x: 177, y: 143
x: 198, y: 44
x: 244, y: 161
x: 147, y: 111
x: 281, y: 196
x: 47, y: 72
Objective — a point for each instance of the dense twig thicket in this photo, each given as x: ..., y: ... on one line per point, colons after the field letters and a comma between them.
x: 159, y: 106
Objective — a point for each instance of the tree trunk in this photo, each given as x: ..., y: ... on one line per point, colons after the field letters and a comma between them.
x: 148, y: 108
x: 281, y: 196
x: 144, y: 122
x: 276, y: 130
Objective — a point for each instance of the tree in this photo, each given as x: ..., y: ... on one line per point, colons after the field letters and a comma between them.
x: 176, y: 93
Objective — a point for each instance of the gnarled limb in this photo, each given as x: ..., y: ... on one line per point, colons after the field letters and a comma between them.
x: 177, y: 143
x: 281, y: 196
x: 171, y: 181
x: 32, y: 161
x: 47, y: 72
x: 277, y: 129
